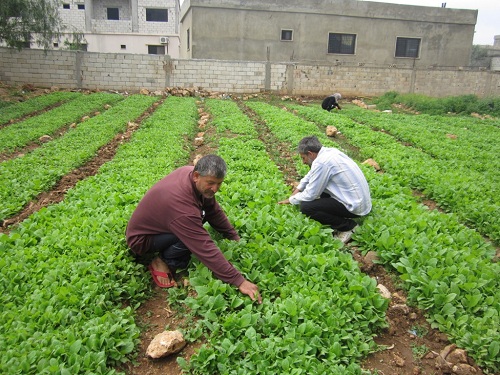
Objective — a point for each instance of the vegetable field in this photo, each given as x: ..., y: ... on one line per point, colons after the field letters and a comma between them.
x: 71, y: 293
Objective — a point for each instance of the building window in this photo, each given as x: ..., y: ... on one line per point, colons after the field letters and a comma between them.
x: 113, y: 14
x: 188, y: 40
x: 156, y: 15
x: 65, y: 6
x: 123, y: 46
x: 55, y: 44
x: 81, y: 6
x: 287, y: 35
x: 341, y: 43
x: 156, y: 50
x: 408, y: 47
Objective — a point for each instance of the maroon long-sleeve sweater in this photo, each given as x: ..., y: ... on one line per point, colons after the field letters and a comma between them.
x: 174, y: 205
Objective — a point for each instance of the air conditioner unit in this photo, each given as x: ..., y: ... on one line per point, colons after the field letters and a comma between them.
x: 164, y: 40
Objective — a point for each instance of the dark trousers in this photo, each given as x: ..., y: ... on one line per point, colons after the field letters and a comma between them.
x: 329, y: 103
x: 172, y: 251
x: 329, y: 211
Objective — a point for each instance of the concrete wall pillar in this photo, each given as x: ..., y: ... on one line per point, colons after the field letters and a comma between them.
x: 89, y: 14
x: 135, y: 15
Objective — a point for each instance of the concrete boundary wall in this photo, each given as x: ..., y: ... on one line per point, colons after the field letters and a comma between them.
x: 131, y: 72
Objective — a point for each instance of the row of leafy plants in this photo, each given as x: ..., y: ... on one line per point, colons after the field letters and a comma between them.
x: 21, y: 133
x: 446, y: 267
x: 463, y: 104
x: 23, y: 178
x: 472, y: 195
x: 319, y: 312
x: 65, y: 271
x: 32, y: 105
x: 463, y: 143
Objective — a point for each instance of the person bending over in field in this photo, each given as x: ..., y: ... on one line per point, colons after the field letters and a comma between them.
x: 169, y: 221
x: 334, y: 191
x: 331, y: 102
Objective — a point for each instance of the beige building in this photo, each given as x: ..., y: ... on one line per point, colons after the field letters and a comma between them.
x: 122, y: 26
x: 338, y: 32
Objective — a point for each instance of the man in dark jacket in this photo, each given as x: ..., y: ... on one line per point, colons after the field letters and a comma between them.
x: 169, y: 221
x: 331, y: 102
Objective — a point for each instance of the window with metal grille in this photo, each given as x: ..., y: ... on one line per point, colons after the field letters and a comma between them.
x: 408, y: 47
x: 341, y: 43
x: 156, y: 15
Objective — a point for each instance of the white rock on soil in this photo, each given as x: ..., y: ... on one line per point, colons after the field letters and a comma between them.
x: 166, y: 343
x: 384, y: 291
x: 331, y: 131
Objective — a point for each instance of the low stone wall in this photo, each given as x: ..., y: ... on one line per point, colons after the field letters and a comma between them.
x: 131, y: 72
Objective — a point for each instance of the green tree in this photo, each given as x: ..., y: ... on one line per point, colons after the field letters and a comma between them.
x: 479, y: 52
x: 479, y: 56
x: 23, y: 21
x: 77, y: 41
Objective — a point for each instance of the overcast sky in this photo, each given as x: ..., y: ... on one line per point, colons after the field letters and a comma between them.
x: 488, y: 15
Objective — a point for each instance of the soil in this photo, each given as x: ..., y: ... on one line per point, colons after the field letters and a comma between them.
x: 408, y: 346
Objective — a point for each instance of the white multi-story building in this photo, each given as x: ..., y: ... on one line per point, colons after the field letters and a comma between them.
x: 121, y: 26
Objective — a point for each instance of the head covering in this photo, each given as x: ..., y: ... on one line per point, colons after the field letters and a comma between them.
x: 337, y: 96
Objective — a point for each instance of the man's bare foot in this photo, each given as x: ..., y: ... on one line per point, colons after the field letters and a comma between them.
x: 160, y: 266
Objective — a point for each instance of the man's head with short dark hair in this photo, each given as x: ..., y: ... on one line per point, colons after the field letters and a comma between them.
x: 310, y: 143
x: 211, y: 165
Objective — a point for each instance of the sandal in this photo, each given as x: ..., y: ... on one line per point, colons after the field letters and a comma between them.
x: 155, y: 274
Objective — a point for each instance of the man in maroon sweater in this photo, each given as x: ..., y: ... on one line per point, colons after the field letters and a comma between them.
x: 169, y: 221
